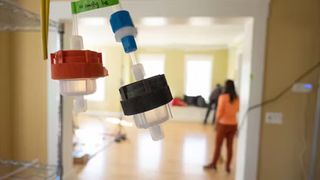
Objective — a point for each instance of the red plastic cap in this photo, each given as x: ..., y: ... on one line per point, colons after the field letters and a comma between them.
x: 77, y: 64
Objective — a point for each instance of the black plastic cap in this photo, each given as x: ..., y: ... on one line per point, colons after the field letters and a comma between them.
x: 145, y: 95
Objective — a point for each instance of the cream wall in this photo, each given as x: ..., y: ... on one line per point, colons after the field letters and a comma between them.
x: 118, y: 65
x: 113, y: 60
x: 234, y: 64
x: 5, y: 97
x: 293, y: 46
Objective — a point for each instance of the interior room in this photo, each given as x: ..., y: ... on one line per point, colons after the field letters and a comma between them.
x: 192, y: 67
x: 127, y: 89
x: 215, y: 43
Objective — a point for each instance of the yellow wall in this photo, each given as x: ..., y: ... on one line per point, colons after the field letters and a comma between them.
x: 29, y: 92
x: 293, y: 46
x: 23, y: 92
x: 174, y: 71
x: 175, y: 66
x: 118, y: 65
x: 5, y: 100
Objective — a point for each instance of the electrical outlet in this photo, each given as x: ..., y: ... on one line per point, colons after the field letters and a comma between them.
x: 274, y: 118
x: 302, y: 88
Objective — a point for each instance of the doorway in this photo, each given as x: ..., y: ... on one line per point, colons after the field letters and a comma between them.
x: 252, y: 63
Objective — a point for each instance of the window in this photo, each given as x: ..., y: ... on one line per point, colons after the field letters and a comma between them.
x: 153, y: 64
x: 198, y: 75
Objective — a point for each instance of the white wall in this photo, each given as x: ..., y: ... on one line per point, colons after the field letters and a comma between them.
x: 244, y: 104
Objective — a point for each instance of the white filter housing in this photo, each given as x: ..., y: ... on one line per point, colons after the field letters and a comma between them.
x: 152, y: 119
x: 77, y: 87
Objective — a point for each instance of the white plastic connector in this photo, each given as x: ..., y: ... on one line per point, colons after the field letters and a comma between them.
x: 124, y: 32
x: 76, y: 42
x: 138, y: 71
x: 156, y: 133
x: 152, y: 119
x: 79, y: 104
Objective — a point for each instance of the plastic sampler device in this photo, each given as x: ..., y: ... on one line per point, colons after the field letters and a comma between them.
x: 77, y: 69
x: 146, y: 99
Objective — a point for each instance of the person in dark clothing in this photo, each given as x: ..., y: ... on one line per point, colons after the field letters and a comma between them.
x: 213, y: 103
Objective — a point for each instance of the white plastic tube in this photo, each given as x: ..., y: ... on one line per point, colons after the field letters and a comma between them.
x: 75, y: 31
x: 75, y: 28
x: 133, y: 58
x: 76, y: 40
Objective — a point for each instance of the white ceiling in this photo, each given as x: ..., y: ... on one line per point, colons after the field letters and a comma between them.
x: 200, y: 32
x: 208, y: 32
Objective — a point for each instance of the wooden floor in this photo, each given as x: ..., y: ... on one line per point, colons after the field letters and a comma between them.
x: 180, y: 156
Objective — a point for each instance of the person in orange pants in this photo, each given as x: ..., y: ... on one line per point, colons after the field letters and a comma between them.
x: 228, y: 107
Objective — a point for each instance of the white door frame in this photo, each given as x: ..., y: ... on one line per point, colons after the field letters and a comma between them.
x: 253, y: 57
x: 252, y: 76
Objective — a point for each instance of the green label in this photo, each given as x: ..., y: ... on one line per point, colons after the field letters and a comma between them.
x: 88, y: 5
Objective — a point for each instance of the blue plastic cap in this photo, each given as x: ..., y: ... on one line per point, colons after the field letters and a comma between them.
x: 120, y: 19
x: 129, y: 44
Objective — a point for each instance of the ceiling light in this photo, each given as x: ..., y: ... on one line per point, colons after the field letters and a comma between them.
x: 154, y: 21
x: 93, y: 21
x: 200, y: 21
